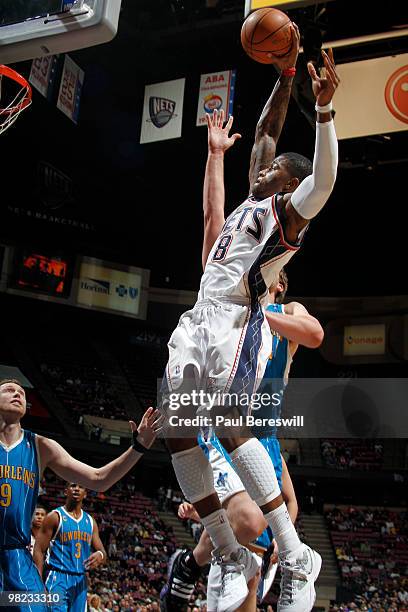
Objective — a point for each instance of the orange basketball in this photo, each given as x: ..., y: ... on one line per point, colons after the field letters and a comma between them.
x: 266, y: 34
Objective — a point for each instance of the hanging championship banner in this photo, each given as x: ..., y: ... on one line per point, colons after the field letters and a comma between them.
x: 42, y: 75
x: 373, y: 97
x: 69, y: 96
x: 216, y: 92
x: 162, y: 111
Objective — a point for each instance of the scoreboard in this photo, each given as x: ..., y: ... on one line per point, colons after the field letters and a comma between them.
x: 74, y: 280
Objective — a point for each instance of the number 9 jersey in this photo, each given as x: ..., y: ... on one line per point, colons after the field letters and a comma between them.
x: 19, y: 482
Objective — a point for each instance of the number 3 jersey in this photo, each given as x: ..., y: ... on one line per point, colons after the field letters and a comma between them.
x: 249, y: 253
x: 19, y: 482
x: 71, y: 545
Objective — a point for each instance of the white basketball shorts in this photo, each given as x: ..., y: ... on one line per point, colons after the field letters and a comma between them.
x: 218, y: 346
x: 226, y: 481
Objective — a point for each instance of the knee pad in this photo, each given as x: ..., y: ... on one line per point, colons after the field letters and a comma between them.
x: 194, y: 474
x: 256, y: 470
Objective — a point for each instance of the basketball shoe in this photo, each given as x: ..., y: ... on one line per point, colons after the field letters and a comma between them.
x: 300, y: 570
x: 268, y: 573
x: 236, y: 570
x: 175, y: 595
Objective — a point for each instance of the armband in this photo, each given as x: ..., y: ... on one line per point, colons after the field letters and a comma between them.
x: 289, y: 72
x: 324, y: 109
x: 139, y: 448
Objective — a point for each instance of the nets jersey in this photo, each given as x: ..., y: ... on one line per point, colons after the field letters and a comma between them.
x: 249, y: 253
x: 71, y: 545
x: 19, y: 482
x: 275, y: 378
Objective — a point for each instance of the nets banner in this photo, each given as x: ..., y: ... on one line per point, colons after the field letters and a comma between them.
x: 372, y: 97
x: 216, y: 92
x: 162, y: 111
x: 69, y: 97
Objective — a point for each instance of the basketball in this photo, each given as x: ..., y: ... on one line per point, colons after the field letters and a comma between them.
x: 266, y: 34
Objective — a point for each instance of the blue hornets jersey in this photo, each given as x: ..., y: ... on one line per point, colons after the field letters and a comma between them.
x: 274, y: 380
x: 19, y: 482
x: 71, y: 545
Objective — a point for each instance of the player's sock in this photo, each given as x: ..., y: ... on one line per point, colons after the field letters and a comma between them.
x: 283, y: 530
x: 196, y: 479
x: 255, y: 468
x: 220, y: 532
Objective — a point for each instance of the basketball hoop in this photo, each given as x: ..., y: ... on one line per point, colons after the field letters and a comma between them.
x: 14, y: 103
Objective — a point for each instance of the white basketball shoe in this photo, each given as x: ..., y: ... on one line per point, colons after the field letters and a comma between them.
x: 236, y: 570
x: 300, y: 570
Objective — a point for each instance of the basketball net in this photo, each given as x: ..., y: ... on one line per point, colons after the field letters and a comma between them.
x: 12, y: 103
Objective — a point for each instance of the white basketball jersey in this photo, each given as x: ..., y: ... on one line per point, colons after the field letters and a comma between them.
x: 249, y: 253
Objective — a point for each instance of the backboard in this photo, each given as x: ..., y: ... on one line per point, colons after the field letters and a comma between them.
x: 33, y: 28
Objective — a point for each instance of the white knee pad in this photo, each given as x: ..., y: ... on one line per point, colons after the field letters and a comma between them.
x: 256, y: 470
x: 194, y: 474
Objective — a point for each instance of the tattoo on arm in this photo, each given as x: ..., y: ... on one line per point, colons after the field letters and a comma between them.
x: 269, y: 127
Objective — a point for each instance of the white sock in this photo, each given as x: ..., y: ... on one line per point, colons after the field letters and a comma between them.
x: 283, y: 530
x: 220, y: 532
x: 255, y: 468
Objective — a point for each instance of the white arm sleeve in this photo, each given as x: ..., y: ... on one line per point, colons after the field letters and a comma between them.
x: 314, y: 191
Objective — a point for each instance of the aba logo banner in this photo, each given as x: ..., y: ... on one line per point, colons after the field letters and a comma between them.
x: 216, y: 91
x: 162, y: 111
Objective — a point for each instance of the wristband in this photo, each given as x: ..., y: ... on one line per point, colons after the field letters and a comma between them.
x: 101, y: 553
x: 289, y: 71
x: 139, y: 448
x: 324, y: 109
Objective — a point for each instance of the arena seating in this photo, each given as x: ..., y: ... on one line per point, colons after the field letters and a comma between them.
x: 371, y: 546
x: 352, y: 454
x: 139, y: 544
x: 73, y: 370
x: 143, y: 364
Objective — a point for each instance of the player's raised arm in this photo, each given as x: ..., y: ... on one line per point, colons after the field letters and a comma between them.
x: 297, y: 325
x: 42, y: 541
x: 273, y: 116
x: 219, y: 141
x: 99, y: 555
x: 54, y: 456
x: 313, y: 192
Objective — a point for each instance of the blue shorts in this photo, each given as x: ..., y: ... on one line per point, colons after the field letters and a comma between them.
x: 271, y: 444
x: 72, y: 589
x: 18, y: 572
